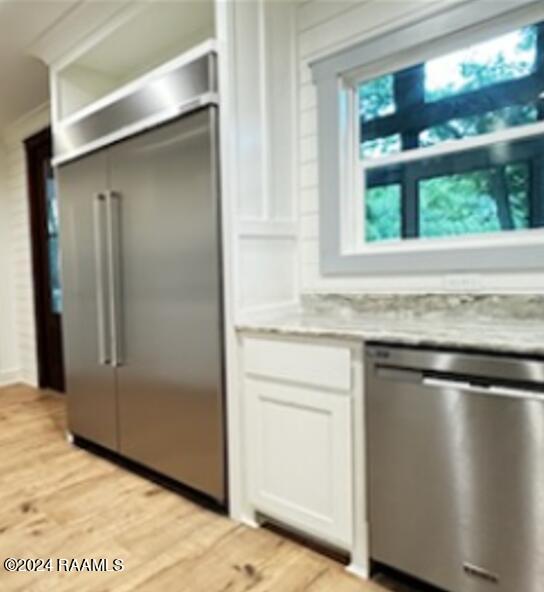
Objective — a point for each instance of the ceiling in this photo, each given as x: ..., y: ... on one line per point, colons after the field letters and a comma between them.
x: 47, y: 28
x: 23, y: 78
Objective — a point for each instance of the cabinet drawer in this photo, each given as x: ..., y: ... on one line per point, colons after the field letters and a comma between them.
x: 326, y: 366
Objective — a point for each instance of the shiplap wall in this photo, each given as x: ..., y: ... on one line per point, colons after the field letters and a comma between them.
x: 20, y: 264
x: 323, y: 27
x: 9, y: 359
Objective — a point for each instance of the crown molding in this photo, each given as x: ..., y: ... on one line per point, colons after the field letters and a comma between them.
x: 78, y: 24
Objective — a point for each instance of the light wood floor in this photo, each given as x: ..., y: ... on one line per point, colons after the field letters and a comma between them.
x: 61, y: 502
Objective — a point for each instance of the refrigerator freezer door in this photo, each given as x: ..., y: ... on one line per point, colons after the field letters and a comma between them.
x: 170, y: 336
x: 92, y: 407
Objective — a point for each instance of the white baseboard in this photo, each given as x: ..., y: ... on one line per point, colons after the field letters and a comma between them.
x: 28, y: 377
x: 9, y: 377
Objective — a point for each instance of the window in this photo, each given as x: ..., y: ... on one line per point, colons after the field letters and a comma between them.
x: 52, y: 208
x: 437, y: 154
x: 431, y: 144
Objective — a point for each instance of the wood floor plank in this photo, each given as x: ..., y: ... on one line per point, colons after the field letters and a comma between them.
x: 62, y: 502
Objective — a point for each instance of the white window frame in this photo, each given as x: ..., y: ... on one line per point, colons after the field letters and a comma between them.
x: 343, y: 250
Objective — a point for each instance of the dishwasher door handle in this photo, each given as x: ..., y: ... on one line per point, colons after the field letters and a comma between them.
x: 493, y: 390
x: 446, y: 383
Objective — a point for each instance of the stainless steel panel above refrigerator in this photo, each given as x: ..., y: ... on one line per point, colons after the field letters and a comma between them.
x: 181, y: 86
x: 140, y: 225
x: 456, y: 472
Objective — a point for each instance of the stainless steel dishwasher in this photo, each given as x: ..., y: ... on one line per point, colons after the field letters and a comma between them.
x: 456, y: 467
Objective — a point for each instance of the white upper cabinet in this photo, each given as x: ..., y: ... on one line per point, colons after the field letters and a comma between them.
x: 136, y: 41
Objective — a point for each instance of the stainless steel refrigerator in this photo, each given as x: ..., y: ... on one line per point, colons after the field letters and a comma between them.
x: 141, y: 261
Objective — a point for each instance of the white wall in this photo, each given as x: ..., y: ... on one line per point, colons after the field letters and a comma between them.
x: 323, y: 27
x: 21, y: 349
x: 9, y: 360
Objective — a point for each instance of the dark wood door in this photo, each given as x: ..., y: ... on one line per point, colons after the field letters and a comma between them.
x: 44, y: 227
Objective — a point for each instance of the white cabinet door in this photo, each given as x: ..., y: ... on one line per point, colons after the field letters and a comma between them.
x: 300, y: 458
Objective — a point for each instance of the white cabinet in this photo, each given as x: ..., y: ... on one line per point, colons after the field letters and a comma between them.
x: 300, y: 458
x: 140, y: 37
x: 298, y: 400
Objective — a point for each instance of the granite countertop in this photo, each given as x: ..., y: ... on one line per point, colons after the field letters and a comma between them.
x: 482, y: 323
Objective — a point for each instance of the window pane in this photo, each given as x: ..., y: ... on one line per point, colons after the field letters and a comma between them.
x: 484, y: 190
x: 504, y: 58
x: 518, y: 178
x: 481, y: 89
x: 376, y: 98
x: 53, y: 240
x: 427, y: 103
x: 54, y: 270
x: 482, y: 201
x: 52, y: 205
x: 457, y: 204
x: 381, y: 146
x: 493, y: 121
x: 383, y: 213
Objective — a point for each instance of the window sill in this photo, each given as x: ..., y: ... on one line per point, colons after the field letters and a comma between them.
x: 522, y: 250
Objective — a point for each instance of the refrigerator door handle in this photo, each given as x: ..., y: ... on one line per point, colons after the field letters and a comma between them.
x: 113, y: 200
x: 104, y: 351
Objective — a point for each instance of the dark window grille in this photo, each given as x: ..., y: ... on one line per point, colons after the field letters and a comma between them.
x: 413, y: 114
